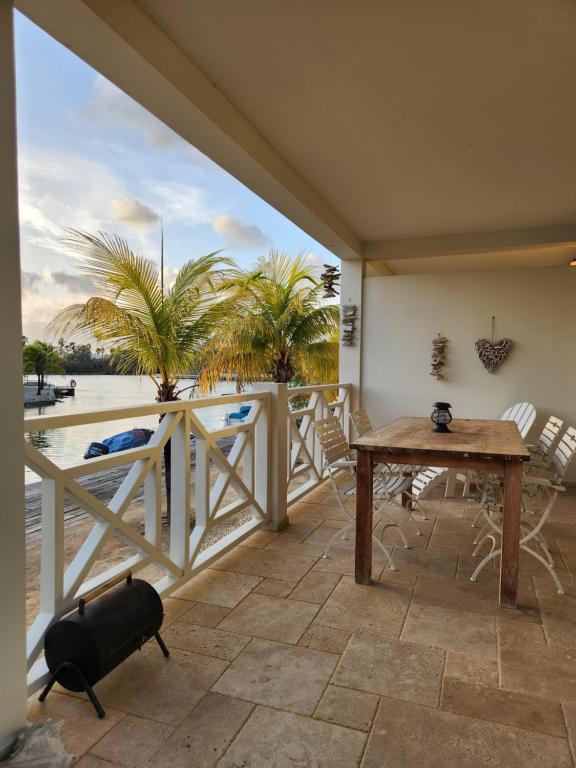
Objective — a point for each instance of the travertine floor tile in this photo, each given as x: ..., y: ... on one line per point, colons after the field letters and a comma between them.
x: 204, y: 735
x: 198, y: 639
x: 391, y: 668
x: 273, y: 739
x: 541, y: 670
x: 153, y: 687
x: 516, y: 709
x: 406, y: 735
x: 272, y: 564
x: 570, y: 720
x: 461, y: 594
x: 132, y: 741
x: 315, y: 587
x: 259, y: 539
x: 274, y: 588
x: 451, y: 630
x: 343, y: 706
x: 219, y: 587
x: 174, y: 609
x: 380, y: 607
x: 327, y: 510
x: 479, y: 670
x: 286, y: 542
x: 325, y: 638
x: 272, y: 618
x: 89, y: 761
x: 206, y: 614
x: 82, y: 726
x: 425, y: 561
x: 283, y: 676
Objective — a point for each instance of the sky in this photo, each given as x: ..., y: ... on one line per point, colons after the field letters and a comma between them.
x: 91, y: 158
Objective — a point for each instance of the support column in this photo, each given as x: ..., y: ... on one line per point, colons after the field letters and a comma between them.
x: 12, y: 538
x: 351, y: 357
x: 278, y: 451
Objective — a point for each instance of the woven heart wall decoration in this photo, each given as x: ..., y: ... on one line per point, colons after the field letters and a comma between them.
x: 493, y: 353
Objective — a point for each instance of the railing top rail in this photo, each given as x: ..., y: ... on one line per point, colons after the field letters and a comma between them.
x: 292, y: 391
x: 133, y: 411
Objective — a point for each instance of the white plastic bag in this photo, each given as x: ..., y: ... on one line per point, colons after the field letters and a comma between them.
x: 39, y: 745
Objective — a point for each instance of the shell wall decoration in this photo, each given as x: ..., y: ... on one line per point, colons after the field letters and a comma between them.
x: 493, y: 353
x: 438, y: 360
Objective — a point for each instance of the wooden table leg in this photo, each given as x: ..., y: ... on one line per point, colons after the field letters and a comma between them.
x: 510, y: 533
x: 407, y: 494
x: 363, y: 517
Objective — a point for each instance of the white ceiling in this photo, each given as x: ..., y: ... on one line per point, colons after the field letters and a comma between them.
x: 410, y: 118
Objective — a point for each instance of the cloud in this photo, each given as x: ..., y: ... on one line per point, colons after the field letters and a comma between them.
x: 30, y: 281
x: 135, y: 213
x: 78, y: 284
x: 238, y: 233
x: 109, y: 101
x: 183, y: 202
x: 63, y: 189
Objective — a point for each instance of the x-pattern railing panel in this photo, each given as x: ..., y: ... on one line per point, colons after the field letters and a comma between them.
x: 240, y: 472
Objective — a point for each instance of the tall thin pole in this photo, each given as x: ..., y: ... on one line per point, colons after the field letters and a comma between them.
x: 162, y: 260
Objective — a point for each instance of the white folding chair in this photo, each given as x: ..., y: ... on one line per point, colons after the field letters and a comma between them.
x: 540, y: 488
x: 543, y: 452
x: 524, y: 414
x: 398, y: 476
x: 338, y: 461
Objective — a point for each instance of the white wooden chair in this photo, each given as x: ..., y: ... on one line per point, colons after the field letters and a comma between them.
x: 542, y: 453
x: 399, y: 476
x: 339, y: 462
x: 540, y: 488
x: 524, y: 414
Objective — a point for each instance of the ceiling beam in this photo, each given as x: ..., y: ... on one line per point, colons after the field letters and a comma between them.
x: 478, y: 242
x: 123, y: 43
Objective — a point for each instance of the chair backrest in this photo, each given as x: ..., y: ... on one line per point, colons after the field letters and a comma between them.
x: 523, y: 414
x: 550, y: 436
x: 332, y: 439
x: 564, y: 453
x: 361, y: 422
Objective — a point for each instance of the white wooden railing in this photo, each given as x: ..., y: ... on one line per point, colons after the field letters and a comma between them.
x: 264, y: 481
x: 244, y: 470
x: 305, y: 464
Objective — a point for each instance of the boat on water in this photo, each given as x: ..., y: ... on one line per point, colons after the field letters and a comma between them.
x: 132, y: 438
x: 237, y: 417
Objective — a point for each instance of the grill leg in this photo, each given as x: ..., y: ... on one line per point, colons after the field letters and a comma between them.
x: 162, y: 644
x: 85, y: 685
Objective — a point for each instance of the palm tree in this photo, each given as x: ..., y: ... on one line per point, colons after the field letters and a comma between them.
x: 276, y: 326
x: 156, y: 333
x: 41, y: 358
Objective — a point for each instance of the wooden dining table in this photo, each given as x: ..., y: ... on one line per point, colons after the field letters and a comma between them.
x: 488, y: 446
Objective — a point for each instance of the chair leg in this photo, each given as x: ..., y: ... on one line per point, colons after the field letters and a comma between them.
x: 392, y: 524
x: 338, y: 533
x: 546, y: 564
x: 386, y: 553
x: 485, y: 561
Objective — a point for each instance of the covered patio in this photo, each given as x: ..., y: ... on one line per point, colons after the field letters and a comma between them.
x: 279, y: 658
x: 431, y: 147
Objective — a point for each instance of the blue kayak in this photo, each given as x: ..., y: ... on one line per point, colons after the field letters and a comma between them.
x: 133, y: 438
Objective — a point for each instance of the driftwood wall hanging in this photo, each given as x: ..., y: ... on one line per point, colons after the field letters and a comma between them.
x: 348, y: 320
x: 438, y: 360
x: 330, y: 278
x: 493, y: 353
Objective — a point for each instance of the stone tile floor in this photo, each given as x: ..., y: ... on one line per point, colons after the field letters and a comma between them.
x: 279, y: 660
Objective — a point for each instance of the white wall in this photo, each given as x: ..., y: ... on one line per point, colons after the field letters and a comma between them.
x: 536, y: 308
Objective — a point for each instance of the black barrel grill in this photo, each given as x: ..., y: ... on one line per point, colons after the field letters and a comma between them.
x: 86, y: 645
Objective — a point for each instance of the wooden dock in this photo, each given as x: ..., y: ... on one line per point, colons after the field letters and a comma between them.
x: 103, y: 485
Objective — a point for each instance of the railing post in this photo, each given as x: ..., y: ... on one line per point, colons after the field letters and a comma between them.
x: 261, y: 442
x: 278, y: 453
x: 344, y: 395
x: 180, y: 493
x: 52, y: 560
